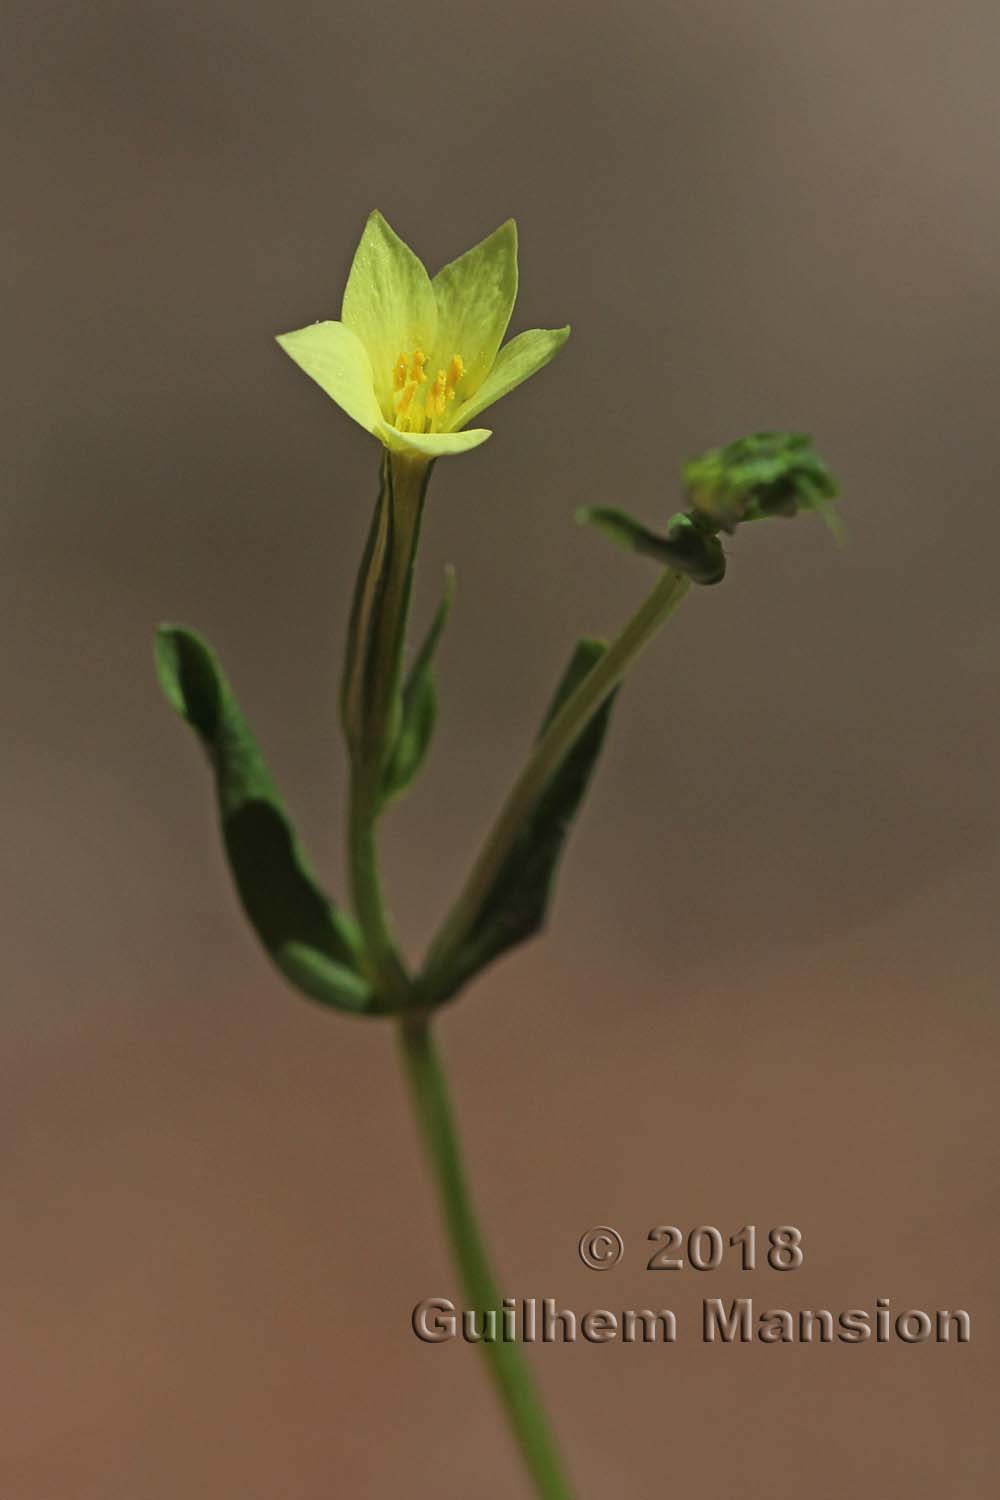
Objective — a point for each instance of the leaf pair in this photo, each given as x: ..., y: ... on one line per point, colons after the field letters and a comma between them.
x: 314, y: 944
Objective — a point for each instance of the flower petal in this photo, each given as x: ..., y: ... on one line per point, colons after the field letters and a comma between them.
x: 432, y: 444
x: 338, y: 361
x: 517, y: 361
x: 388, y: 302
x: 475, y: 298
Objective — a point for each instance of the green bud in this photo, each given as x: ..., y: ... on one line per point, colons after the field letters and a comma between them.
x: 766, y: 474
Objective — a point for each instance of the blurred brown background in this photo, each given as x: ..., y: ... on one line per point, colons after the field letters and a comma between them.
x: 768, y: 993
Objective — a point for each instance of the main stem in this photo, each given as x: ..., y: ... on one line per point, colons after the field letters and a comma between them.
x: 370, y: 704
x: 366, y: 889
x: 507, y: 1366
x: 549, y: 751
x: 378, y: 626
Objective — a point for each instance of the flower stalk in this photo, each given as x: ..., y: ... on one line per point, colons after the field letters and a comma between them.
x: 385, y: 603
x: 371, y: 720
x: 370, y: 699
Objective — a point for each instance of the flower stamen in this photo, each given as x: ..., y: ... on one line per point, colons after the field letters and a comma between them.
x: 408, y: 375
x: 455, y: 372
x: 438, y: 399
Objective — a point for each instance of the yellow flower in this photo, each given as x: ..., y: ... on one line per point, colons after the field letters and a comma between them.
x: 414, y: 360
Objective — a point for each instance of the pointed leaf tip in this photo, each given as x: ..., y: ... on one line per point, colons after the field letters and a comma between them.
x: 188, y: 677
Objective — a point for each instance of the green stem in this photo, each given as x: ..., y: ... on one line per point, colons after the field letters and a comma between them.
x: 543, y: 761
x: 384, y: 962
x: 371, y: 701
x: 507, y: 1366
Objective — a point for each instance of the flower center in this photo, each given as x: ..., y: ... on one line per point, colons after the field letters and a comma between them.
x: 418, y: 409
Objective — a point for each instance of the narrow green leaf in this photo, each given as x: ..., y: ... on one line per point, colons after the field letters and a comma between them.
x: 419, y: 704
x: 313, y: 943
x: 517, y: 903
x: 688, y: 547
x: 625, y: 530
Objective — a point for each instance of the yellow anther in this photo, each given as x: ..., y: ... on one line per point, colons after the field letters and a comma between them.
x: 455, y: 372
x: 408, y: 375
x: 436, y: 395
x: 405, y: 399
